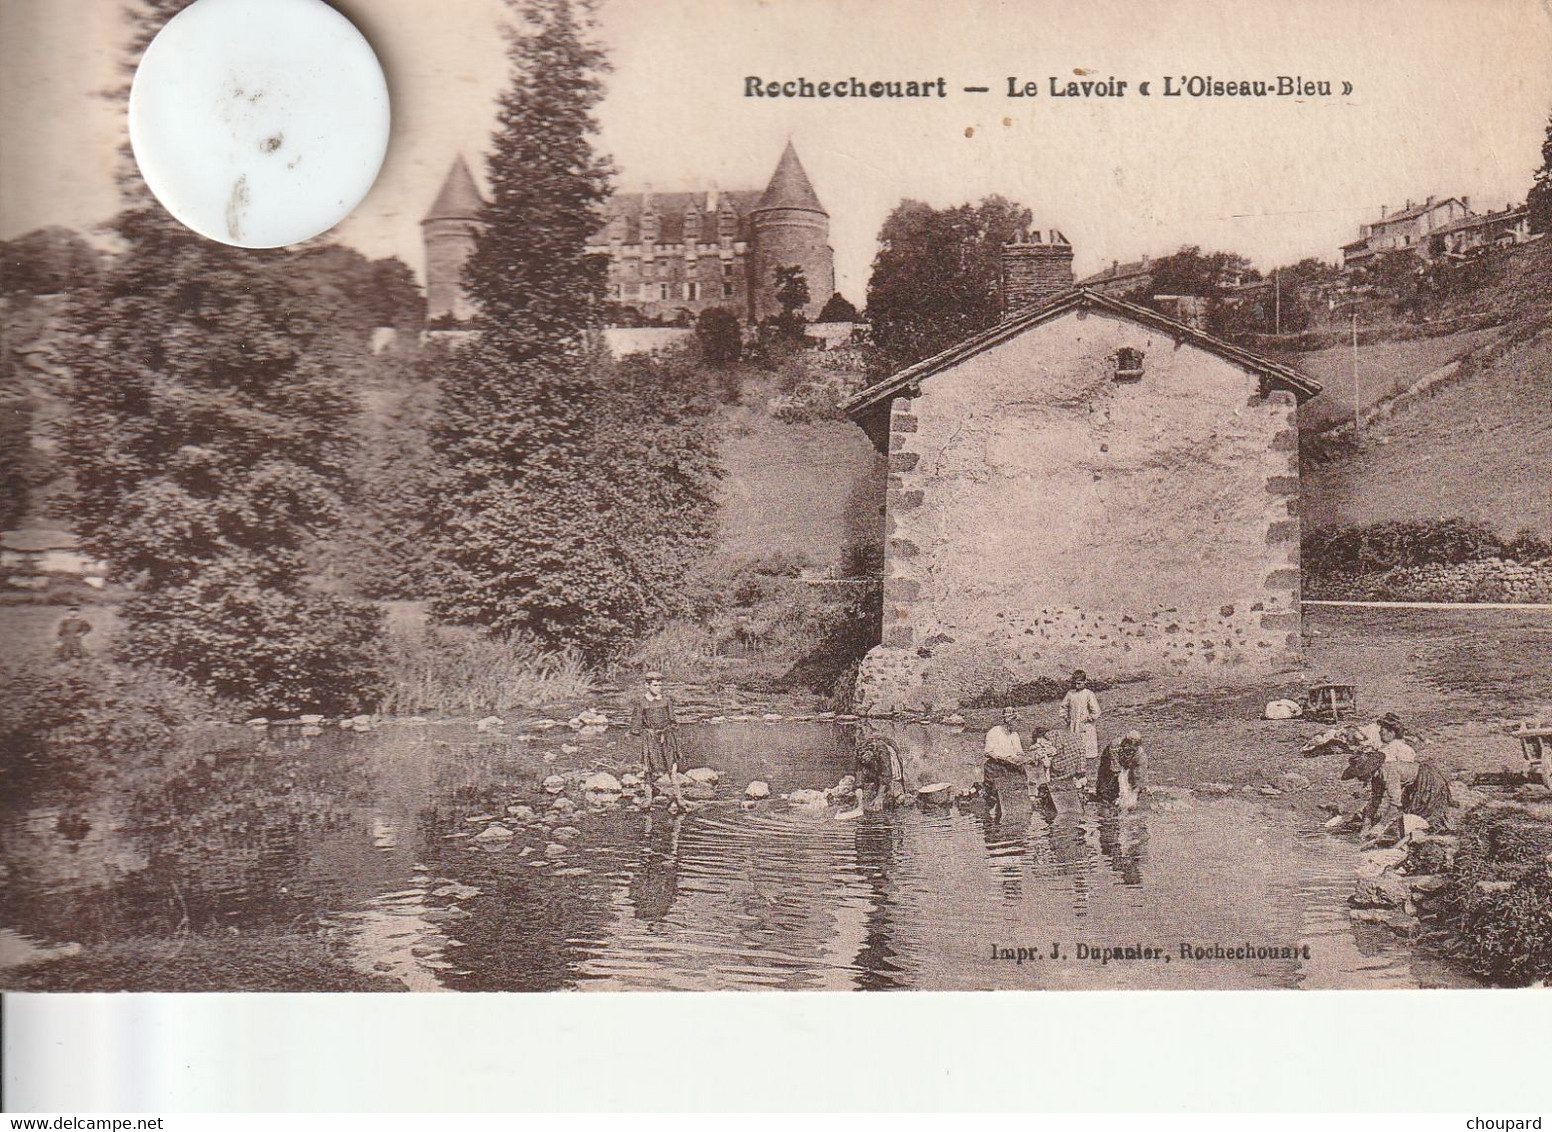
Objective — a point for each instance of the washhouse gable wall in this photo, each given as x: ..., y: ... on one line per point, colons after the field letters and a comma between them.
x: 1045, y: 513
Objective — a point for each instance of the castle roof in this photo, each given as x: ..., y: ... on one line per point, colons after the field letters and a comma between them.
x: 671, y: 208
x: 876, y: 397
x: 790, y: 187
x: 460, y: 198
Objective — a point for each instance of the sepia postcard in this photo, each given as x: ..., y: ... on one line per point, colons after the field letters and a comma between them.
x: 819, y: 495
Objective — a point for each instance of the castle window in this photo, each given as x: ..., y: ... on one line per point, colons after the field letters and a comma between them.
x: 727, y: 290
x: 692, y: 291
x: 727, y: 269
x: 1128, y: 364
x: 616, y: 291
x: 662, y: 290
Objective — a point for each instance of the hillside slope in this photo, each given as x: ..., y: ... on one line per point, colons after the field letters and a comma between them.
x: 805, y: 490
x: 1478, y: 447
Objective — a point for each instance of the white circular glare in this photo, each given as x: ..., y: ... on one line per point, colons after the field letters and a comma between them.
x: 259, y: 123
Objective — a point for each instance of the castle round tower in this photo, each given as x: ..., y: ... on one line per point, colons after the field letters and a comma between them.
x: 789, y: 228
x: 448, y: 231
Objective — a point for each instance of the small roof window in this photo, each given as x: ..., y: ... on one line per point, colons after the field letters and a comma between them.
x: 1128, y: 364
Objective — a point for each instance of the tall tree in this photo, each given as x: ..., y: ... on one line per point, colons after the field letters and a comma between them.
x: 936, y: 275
x: 1539, y: 200
x: 535, y: 537
x: 208, y: 432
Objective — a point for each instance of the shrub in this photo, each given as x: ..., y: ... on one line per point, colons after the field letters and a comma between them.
x: 1384, y: 546
x: 453, y: 670
x: 720, y: 335
x: 1506, y: 934
x: 61, y: 726
x: 276, y: 652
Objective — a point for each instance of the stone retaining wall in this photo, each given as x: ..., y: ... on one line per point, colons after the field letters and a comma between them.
x: 1491, y: 580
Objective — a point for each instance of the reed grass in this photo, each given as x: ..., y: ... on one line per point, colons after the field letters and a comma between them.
x: 441, y: 670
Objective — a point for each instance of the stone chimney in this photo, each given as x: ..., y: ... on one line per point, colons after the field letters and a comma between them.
x: 1034, y: 270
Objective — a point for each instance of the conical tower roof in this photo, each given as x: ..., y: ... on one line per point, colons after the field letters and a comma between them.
x: 460, y: 198
x: 789, y: 187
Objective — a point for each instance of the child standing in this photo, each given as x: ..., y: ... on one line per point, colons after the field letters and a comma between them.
x: 652, y: 717
x: 1081, y: 709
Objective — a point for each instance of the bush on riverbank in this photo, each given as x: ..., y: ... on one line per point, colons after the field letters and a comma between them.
x: 763, y: 624
x: 1499, y: 899
x: 447, y: 670
x: 62, y: 727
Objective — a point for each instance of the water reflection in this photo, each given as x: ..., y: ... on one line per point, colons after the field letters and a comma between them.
x: 376, y: 836
x: 655, y: 882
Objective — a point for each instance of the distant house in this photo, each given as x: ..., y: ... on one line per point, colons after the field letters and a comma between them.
x: 30, y: 556
x: 1409, y: 229
x: 1474, y: 233
x: 1087, y: 484
x: 1121, y: 279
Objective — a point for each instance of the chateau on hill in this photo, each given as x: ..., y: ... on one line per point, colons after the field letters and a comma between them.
x: 671, y: 255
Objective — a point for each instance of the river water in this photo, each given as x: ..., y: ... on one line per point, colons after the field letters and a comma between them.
x: 370, y: 836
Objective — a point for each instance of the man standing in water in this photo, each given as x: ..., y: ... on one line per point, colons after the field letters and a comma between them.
x: 71, y: 630
x: 652, y: 717
x: 1080, y: 707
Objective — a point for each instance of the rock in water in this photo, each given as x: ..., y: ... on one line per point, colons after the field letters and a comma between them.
x: 630, y: 781
x: 703, y: 774
x: 1166, y: 800
x: 555, y: 849
x: 521, y: 813
x: 554, y: 784
x: 565, y: 833
x: 494, y: 832
x: 808, y: 799
x: 489, y: 723
x: 847, y: 785
x: 1293, y: 780
x: 1384, y: 891
x: 563, y: 805
x: 757, y: 789
x: 601, y: 783
x: 848, y: 815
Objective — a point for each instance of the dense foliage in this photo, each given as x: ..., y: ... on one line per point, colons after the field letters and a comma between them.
x: 208, y: 433
x: 936, y: 276
x: 1538, y: 201
x: 48, y: 261
x: 838, y: 309
x: 574, y: 490
x: 720, y: 335
x: 62, y: 728
x: 1420, y: 542
x: 385, y: 546
x: 1499, y: 898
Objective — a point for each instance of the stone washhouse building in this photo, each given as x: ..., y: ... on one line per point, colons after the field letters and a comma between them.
x: 1088, y: 484
x: 671, y: 255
